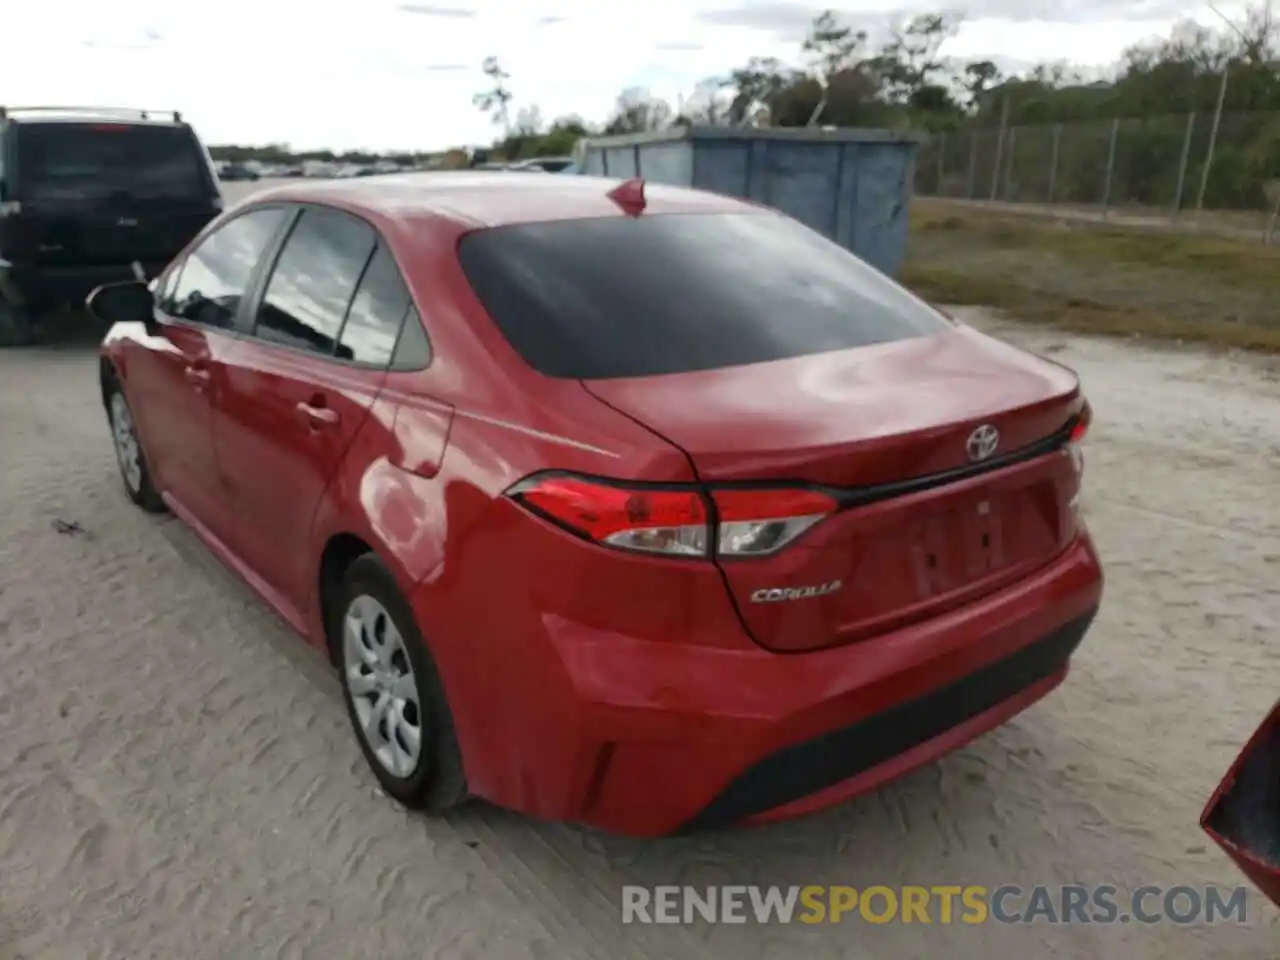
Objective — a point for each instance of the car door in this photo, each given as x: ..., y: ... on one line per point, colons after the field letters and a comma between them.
x: 297, y: 394
x: 175, y: 375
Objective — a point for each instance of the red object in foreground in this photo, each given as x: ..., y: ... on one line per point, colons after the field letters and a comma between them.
x: 656, y: 522
x: 1243, y: 816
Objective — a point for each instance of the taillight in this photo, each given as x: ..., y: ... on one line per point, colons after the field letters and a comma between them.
x: 675, y: 521
x: 1083, y: 420
x: 649, y: 520
x: 756, y: 522
x: 1079, y: 430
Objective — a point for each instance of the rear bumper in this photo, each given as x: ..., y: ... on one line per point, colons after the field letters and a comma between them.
x: 40, y: 286
x: 652, y: 738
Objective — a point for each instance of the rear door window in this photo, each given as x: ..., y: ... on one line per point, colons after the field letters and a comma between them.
x: 314, y: 281
x: 633, y: 297
x: 111, y: 161
x: 413, y: 350
x: 212, y: 280
x: 377, y: 313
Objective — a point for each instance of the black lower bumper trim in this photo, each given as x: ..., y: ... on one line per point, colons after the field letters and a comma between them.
x: 805, y: 768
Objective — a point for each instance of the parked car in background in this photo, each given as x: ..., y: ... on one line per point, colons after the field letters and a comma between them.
x: 237, y: 172
x: 1243, y: 815
x: 637, y: 506
x: 85, y: 192
x: 544, y: 164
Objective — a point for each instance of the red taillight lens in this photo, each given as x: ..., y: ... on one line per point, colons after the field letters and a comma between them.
x: 757, y: 522
x: 1083, y: 421
x: 653, y: 521
x: 675, y: 521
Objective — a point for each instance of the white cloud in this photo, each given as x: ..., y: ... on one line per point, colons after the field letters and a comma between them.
x: 395, y: 73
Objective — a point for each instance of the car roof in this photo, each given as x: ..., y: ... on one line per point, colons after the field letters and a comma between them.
x: 491, y: 199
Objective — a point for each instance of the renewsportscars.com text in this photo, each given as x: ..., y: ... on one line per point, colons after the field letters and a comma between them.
x: 940, y: 904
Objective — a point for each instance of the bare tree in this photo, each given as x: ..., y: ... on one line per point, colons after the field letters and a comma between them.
x: 495, y: 100
x: 529, y: 122
x: 637, y: 112
x: 832, y: 48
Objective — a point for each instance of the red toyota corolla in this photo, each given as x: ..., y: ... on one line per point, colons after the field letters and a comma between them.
x: 635, y: 506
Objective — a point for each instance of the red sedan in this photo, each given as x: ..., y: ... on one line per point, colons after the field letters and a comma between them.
x: 624, y: 504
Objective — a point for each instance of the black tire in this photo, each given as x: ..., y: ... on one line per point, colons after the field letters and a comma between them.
x: 438, y: 782
x: 16, y: 326
x: 142, y: 490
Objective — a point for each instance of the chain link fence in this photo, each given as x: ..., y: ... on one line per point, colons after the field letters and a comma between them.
x: 1151, y: 171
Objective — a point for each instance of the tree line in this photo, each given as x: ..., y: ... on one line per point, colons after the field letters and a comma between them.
x: 906, y: 83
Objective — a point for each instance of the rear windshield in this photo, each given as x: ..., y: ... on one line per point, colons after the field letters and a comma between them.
x: 623, y: 297
x: 126, y: 161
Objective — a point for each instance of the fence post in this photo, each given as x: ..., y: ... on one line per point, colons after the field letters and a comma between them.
x: 1111, y: 165
x: 971, y: 181
x: 942, y: 154
x: 1271, y: 224
x: 1008, y: 165
x: 1213, y: 139
x: 1182, y: 165
x: 995, y: 168
x: 1053, y: 160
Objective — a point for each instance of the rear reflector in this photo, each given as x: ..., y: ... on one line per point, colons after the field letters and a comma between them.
x: 675, y: 521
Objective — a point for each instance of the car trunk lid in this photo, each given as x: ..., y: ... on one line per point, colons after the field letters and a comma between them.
x: 925, y: 518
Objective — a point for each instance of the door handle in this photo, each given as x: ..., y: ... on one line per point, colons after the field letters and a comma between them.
x: 198, y: 377
x: 317, y: 417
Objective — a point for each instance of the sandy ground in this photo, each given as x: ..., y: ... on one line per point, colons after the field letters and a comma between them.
x: 179, y: 779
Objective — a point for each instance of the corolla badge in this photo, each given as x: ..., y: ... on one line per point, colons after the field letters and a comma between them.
x: 779, y: 594
x: 982, y: 443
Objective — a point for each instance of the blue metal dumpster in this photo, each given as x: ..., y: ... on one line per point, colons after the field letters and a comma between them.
x: 852, y: 185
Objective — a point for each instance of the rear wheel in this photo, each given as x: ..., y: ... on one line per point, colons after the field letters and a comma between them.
x: 393, y: 691
x: 133, y: 463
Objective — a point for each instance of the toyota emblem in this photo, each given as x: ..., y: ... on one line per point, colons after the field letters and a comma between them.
x: 982, y: 443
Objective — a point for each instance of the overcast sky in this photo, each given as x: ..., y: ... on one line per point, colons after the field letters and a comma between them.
x: 386, y: 74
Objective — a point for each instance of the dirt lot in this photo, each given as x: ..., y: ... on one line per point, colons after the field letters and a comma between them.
x: 179, y: 778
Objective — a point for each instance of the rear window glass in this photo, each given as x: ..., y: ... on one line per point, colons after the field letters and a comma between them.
x: 624, y: 297
x: 110, y: 160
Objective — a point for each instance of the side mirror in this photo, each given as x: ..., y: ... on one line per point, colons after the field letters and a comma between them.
x: 128, y: 302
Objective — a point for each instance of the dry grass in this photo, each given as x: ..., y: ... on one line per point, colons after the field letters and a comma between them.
x: 1098, y: 278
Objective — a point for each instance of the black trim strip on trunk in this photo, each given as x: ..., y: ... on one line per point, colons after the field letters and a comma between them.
x: 860, y: 496
x: 805, y: 768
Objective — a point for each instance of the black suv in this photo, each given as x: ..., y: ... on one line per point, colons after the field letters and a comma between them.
x: 84, y: 193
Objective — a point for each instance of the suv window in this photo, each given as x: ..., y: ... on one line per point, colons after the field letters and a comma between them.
x: 377, y: 313
x: 212, y: 280
x: 314, y: 281
x: 623, y: 297
x: 117, y: 161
